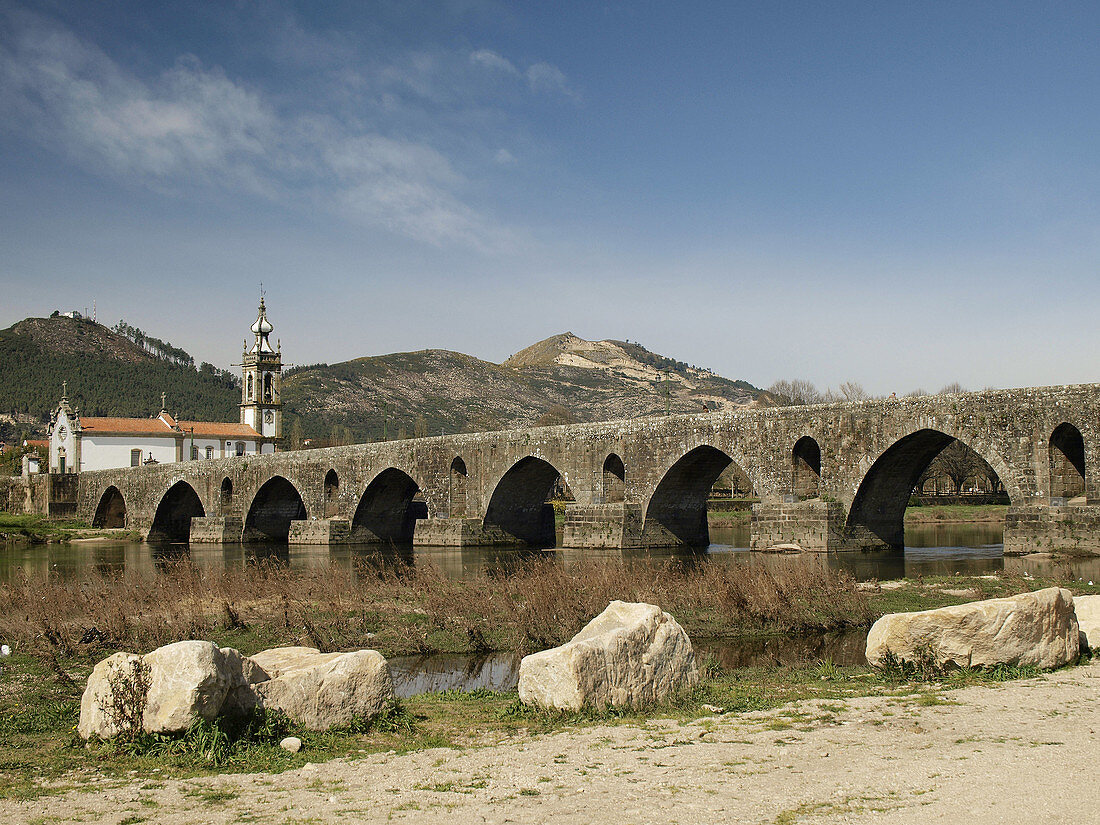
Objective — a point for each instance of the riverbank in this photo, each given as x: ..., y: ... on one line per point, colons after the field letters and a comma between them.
x: 43, y: 530
x: 855, y: 746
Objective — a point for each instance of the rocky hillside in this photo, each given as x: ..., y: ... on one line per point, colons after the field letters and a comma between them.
x: 560, y: 380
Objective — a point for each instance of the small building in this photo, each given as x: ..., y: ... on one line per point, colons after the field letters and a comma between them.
x: 79, y: 443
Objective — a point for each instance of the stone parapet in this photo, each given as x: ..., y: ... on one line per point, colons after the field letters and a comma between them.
x: 216, y: 529
x: 603, y: 525
x: 1050, y: 529
x: 815, y: 526
x: 320, y: 531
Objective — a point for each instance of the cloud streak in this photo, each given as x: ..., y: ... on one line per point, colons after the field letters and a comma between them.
x: 192, y: 125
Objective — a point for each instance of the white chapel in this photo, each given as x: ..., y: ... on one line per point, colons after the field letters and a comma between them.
x: 79, y: 443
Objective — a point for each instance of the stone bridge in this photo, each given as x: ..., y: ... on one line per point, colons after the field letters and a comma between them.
x: 828, y: 477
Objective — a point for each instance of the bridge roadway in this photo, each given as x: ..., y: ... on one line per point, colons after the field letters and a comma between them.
x: 828, y: 477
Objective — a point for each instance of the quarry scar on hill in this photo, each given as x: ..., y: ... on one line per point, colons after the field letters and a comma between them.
x: 828, y: 477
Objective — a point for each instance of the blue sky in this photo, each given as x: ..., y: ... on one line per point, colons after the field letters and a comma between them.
x: 902, y: 195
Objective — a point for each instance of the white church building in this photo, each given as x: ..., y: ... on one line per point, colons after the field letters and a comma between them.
x: 79, y: 443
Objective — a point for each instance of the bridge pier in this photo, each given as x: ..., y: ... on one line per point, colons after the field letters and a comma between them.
x: 320, y: 531
x: 460, y: 532
x: 216, y: 529
x: 616, y: 526
x: 816, y: 526
x: 1052, y: 529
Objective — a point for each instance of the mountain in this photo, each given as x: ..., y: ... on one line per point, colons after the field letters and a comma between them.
x: 107, y: 374
x: 560, y: 380
x: 563, y: 379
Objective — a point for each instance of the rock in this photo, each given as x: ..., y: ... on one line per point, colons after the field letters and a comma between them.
x: 240, y: 699
x: 96, y: 718
x: 784, y: 548
x: 1036, y: 629
x: 324, y: 690
x: 1087, y: 609
x: 188, y: 680
x: 631, y: 654
x: 276, y: 660
x: 292, y: 744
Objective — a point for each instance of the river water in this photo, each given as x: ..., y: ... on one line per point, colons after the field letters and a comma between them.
x: 963, y: 549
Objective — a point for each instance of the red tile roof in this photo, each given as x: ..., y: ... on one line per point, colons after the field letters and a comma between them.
x: 215, y: 428
x: 127, y: 426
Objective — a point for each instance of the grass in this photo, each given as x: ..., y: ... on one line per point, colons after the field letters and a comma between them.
x: 960, y: 513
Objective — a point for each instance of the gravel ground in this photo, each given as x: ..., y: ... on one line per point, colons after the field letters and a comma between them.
x: 1021, y: 751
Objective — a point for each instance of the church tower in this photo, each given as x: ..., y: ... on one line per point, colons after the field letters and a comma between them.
x: 261, y: 387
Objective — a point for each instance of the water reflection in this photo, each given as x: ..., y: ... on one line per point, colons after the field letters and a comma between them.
x: 968, y: 549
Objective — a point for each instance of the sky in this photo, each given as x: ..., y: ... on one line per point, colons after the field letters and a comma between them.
x: 898, y: 194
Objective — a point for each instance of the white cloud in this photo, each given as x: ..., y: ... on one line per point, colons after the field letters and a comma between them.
x: 505, y: 158
x: 193, y: 124
x: 492, y: 60
x: 546, y: 77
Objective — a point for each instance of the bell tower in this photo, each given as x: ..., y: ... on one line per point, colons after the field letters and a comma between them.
x: 261, y: 385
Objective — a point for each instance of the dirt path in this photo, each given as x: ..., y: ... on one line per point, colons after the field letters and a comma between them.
x: 1022, y: 751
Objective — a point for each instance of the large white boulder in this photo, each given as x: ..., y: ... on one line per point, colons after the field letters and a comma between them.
x: 631, y: 654
x: 101, y: 714
x: 1036, y: 629
x: 188, y: 680
x: 1087, y: 609
x: 323, y: 690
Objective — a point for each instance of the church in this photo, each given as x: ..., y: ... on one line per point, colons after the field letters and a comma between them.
x: 79, y: 443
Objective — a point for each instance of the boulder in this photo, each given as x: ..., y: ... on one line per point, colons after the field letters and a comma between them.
x: 1087, y: 609
x: 241, y: 699
x: 1035, y: 629
x: 323, y: 690
x: 96, y: 705
x: 188, y: 680
x: 631, y: 654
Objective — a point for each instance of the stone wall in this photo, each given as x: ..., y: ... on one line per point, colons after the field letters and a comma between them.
x: 1058, y: 529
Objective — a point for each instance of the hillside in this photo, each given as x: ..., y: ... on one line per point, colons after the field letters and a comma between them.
x: 107, y: 374
x: 559, y: 380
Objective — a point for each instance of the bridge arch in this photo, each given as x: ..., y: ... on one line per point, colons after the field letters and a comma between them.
x: 275, y: 505
x: 1066, y: 459
x: 111, y: 510
x: 806, y: 468
x: 877, y: 514
x: 386, y: 510
x: 677, y: 510
x: 519, y: 504
x: 225, y: 493
x: 172, y: 521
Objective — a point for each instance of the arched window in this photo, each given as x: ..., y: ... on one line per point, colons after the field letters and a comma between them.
x: 332, y: 487
x: 268, y: 394
x: 248, y: 384
x: 1067, y: 462
x: 458, y: 488
x: 614, y: 479
x: 806, y: 468
x: 240, y: 448
x: 135, y: 458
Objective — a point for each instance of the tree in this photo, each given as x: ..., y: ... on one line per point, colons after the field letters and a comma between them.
x: 853, y: 391
x: 794, y: 393
x: 958, y: 463
x: 420, y: 427
x: 954, y: 388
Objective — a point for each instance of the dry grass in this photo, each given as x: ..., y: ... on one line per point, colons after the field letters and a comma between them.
x: 401, y: 608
